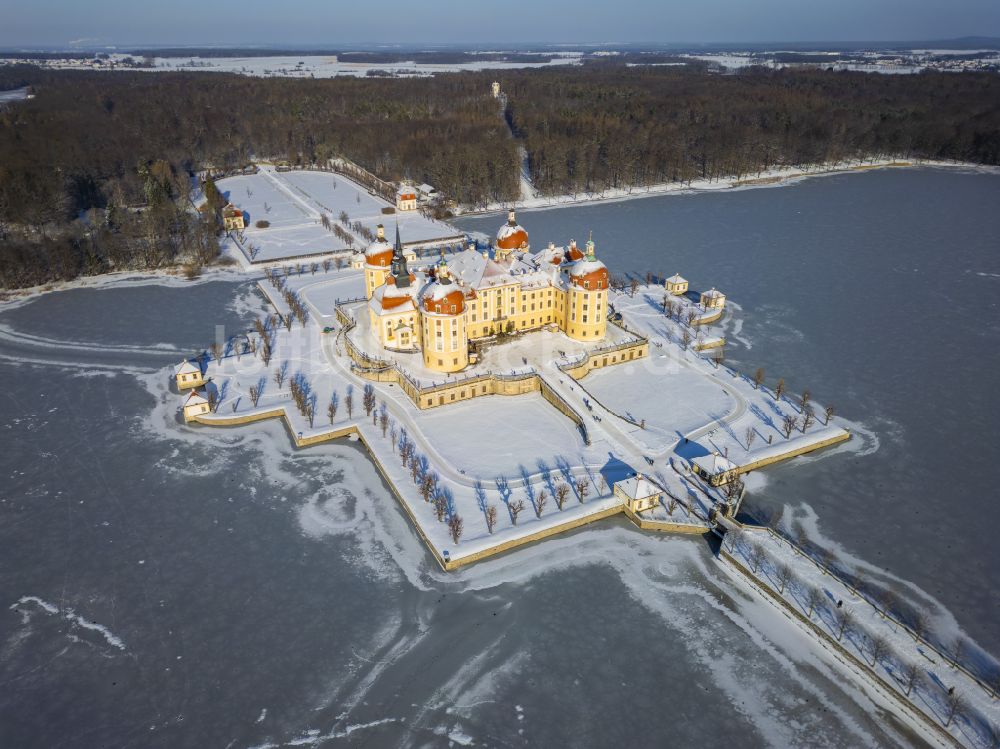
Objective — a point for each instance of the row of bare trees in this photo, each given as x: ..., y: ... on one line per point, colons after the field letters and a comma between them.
x: 843, y: 624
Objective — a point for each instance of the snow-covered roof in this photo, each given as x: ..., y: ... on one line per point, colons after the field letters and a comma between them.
x: 712, y: 293
x: 584, y: 267
x: 391, y: 298
x: 509, y: 229
x: 195, y: 398
x: 713, y: 464
x: 637, y: 487
x: 677, y: 278
x: 426, y: 189
x: 187, y: 367
x: 378, y: 247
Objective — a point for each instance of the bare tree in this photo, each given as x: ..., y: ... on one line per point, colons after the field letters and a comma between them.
x: 685, y: 338
x: 310, y: 413
x: 326, y: 265
x: 254, y: 395
x: 581, y: 490
x: 788, y: 425
x: 217, y: 351
x: 815, y: 599
x: 751, y: 434
x: 911, y: 676
x: 562, y: 492
x: 368, y: 398
x: 515, y: 508
x: 349, y: 403
x: 491, y: 517
x: 455, y: 527
x: 959, y: 649
x: 279, y: 375
x: 888, y: 602
x: 440, y: 507
x: 878, y: 647
x: 331, y: 409
x: 633, y: 285
x: 734, y: 537
x: 785, y: 575
x: 427, y: 486
x: 920, y: 625
x: 392, y: 436
x: 844, y: 619
x: 829, y: 413
x: 540, y: 501
x: 955, y: 707
x: 755, y: 556
x: 808, y: 417
x: 383, y: 420
x: 806, y: 397
x: 827, y: 559
x: 691, y: 317
x: 758, y: 378
x: 779, y: 389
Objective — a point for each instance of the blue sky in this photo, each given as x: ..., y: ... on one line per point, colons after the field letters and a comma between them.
x: 333, y: 22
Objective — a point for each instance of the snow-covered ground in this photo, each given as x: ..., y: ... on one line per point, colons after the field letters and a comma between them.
x: 868, y: 624
x: 293, y: 203
x: 328, y: 66
x: 498, y: 450
x: 764, y: 178
x: 12, y: 95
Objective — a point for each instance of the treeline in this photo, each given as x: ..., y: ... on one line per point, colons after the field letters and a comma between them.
x: 95, y: 172
x: 619, y: 127
x: 86, y: 144
x: 162, y: 232
x: 85, y: 133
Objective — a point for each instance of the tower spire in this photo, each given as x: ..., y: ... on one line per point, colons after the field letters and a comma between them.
x: 399, y: 270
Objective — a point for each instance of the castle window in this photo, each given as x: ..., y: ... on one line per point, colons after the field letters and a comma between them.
x: 586, y: 284
x: 453, y: 309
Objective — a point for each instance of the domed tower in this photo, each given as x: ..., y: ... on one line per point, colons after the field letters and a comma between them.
x: 378, y: 259
x: 587, y: 298
x: 510, y: 237
x: 445, y: 340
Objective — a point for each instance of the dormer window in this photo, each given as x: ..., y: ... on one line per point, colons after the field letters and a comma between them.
x: 586, y: 284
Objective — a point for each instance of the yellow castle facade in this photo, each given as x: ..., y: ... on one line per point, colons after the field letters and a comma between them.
x: 440, y: 309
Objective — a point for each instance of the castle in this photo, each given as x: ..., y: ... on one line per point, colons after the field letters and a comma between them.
x: 440, y: 309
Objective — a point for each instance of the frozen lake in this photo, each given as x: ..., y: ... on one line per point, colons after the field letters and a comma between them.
x: 165, y: 587
x: 880, y: 292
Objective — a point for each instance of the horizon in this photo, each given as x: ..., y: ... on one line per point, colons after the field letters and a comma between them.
x: 63, y: 25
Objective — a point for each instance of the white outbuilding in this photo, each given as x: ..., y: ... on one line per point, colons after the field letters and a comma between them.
x: 188, y: 375
x: 638, y: 493
x: 676, y: 285
x: 716, y: 469
x: 195, y: 405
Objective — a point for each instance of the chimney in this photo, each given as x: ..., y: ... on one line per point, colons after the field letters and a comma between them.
x: 510, y: 217
x: 380, y: 232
